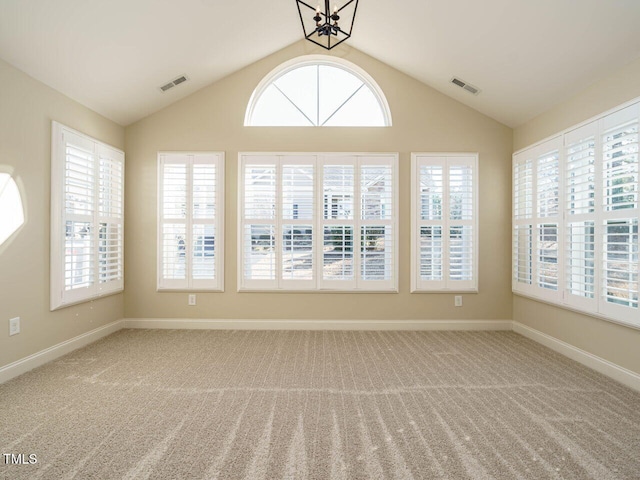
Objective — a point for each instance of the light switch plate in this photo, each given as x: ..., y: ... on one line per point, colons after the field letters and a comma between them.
x: 14, y: 326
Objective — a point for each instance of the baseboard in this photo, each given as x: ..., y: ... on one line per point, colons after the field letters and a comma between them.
x: 623, y: 375
x: 610, y: 369
x: 40, y: 358
x: 219, y: 324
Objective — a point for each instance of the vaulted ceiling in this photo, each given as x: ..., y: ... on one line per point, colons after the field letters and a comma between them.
x: 525, y: 55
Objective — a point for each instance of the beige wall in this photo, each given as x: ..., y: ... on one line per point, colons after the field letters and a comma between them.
x: 26, y: 110
x: 423, y: 120
x: 610, y: 341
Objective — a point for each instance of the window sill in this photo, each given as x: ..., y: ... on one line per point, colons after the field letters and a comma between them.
x: 324, y: 291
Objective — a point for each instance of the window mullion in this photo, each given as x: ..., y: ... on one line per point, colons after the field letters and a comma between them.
x: 357, y: 224
x: 316, y: 223
x: 278, y: 245
x: 446, y: 224
x: 189, y: 222
x: 95, y: 227
x: 599, y: 219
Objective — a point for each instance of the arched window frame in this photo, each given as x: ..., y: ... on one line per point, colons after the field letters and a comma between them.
x: 312, y: 60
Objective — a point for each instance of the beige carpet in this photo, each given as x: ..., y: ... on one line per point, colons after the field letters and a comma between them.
x: 318, y: 405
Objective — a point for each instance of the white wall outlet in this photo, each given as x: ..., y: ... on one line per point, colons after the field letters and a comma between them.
x: 14, y: 326
x: 457, y: 300
x: 192, y: 299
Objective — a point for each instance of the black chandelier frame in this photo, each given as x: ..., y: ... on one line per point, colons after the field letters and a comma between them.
x: 326, y: 23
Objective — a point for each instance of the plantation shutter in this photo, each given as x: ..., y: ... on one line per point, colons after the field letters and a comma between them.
x: 619, y: 138
x: 297, y: 225
x: 87, y: 236
x: 190, y: 205
x: 259, y: 222
x: 311, y: 221
x: 377, y: 222
x: 111, y: 220
x: 579, y: 207
x: 339, y: 223
x: 206, y: 222
x: 430, y: 241
x: 462, y: 235
x: 547, y: 207
x: 523, y: 200
x: 444, y: 229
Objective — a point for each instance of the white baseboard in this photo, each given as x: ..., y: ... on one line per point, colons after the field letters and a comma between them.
x: 623, y: 375
x: 610, y: 369
x: 40, y: 358
x: 368, y: 325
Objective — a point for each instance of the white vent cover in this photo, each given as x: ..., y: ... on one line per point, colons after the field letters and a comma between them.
x: 466, y: 86
x: 173, y: 83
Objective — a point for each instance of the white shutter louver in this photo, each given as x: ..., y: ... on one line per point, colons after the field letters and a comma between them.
x: 259, y: 214
x: 522, y: 221
x: 547, y: 202
x: 297, y: 216
x: 580, y: 191
x: 174, y: 221
x: 444, y: 239
x: 87, y: 235
x: 376, y: 213
x: 110, y: 213
x: 597, y: 270
x: 204, y: 207
x: 190, y: 206
x: 80, y: 203
x: 331, y: 227
x: 338, y: 184
x: 461, y: 216
x: 620, y: 212
x: 522, y: 255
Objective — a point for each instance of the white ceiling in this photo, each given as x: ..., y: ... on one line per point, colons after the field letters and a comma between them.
x: 525, y: 55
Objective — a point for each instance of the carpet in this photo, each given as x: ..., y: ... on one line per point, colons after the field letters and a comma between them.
x: 182, y: 404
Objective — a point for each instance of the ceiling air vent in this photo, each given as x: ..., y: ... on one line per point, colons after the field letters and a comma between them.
x: 173, y: 83
x: 466, y: 86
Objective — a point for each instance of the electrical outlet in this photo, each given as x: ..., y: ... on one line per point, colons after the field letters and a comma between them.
x: 14, y: 326
x: 192, y: 299
x: 457, y: 300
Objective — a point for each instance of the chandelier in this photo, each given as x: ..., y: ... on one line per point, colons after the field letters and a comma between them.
x: 326, y: 26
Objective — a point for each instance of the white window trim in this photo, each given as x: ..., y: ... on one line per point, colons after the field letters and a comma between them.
x: 317, y: 285
x: 596, y: 307
x: 190, y: 284
x: 444, y: 285
x: 59, y: 297
x: 318, y: 59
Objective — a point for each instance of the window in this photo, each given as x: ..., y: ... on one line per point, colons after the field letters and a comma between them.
x: 318, y: 91
x: 318, y: 222
x: 575, y: 237
x: 11, y: 211
x: 536, y: 225
x: 444, y: 232
x: 190, y: 226
x: 87, y: 231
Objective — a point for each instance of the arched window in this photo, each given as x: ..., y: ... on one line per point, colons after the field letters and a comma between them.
x: 11, y: 212
x: 320, y: 91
